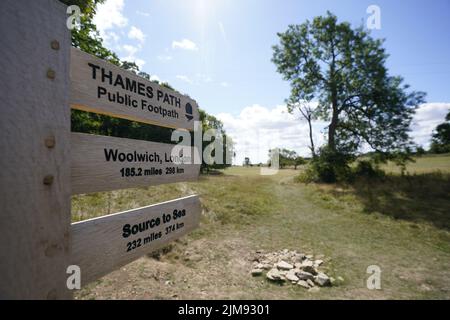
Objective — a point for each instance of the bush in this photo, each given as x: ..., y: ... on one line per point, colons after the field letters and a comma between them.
x: 366, y: 169
x: 307, y: 176
x: 329, y: 166
x: 332, y: 166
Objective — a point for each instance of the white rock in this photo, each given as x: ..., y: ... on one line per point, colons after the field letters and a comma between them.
x: 299, y: 257
x: 303, y: 275
x: 256, y: 272
x: 292, y: 266
x: 310, y: 269
x: 291, y: 276
x: 274, y: 275
x: 283, y: 265
x: 322, y: 279
x: 307, y: 263
x: 318, y: 262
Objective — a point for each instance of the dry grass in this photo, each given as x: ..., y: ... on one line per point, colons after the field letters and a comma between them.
x: 400, y: 225
x: 424, y: 164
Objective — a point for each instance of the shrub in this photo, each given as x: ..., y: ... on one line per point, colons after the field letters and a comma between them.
x: 366, y: 169
x: 332, y: 166
x: 307, y: 176
x: 329, y: 166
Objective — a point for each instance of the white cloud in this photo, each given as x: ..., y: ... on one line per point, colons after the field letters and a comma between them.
x: 109, y: 15
x: 184, y: 78
x: 143, y: 13
x: 427, y: 117
x: 130, y: 55
x: 129, y: 49
x: 140, y: 62
x: 111, y: 23
x: 164, y: 57
x: 137, y: 34
x: 225, y: 84
x: 111, y: 36
x: 185, y: 44
x: 155, y: 77
x: 257, y: 129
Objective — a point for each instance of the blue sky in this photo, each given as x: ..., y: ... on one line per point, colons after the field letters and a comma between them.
x: 219, y: 51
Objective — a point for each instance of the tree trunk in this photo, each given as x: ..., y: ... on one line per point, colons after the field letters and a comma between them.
x: 334, y: 118
x: 313, y: 149
x: 332, y: 130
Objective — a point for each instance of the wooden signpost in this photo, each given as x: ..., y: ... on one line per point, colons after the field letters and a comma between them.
x: 101, y: 245
x: 102, y: 163
x: 99, y: 86
x: 43, y: 163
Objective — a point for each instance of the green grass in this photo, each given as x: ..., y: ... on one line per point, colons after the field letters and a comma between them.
x: 424, y: 164
x: 400, y: 224
x: 418, y: 198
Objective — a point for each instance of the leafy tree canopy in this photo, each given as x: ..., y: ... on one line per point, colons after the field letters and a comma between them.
x: 87, y: 39
x: 344, y: 69
x: 441, y: 137
x: 287, y: 158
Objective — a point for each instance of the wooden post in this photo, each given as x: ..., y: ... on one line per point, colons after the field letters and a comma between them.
x: 34, y: 150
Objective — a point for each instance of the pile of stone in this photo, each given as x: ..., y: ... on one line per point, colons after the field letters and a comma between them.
x: 291, y: 266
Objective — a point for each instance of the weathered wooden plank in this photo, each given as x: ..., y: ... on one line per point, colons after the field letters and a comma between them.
x: 101, y: 163
x: 103, y: 244
x: 34, y: 150
x: 101, y: 87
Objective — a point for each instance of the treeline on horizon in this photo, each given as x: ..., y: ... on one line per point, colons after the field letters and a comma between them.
x: 87, y: 39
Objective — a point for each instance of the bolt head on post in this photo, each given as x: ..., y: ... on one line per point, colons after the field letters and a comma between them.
x: 54, y: 45
x: 51, y: 74
x: 50, y: 142
x: 48, y: 180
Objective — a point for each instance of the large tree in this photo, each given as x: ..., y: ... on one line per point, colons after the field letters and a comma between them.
x: 344, y: 70
x: 441, y: 137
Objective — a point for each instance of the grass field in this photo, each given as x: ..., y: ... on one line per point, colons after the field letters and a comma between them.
x: 424, y: 164
x: 401, y: 224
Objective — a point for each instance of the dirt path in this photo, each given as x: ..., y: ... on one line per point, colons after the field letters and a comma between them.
x: 214, y: 262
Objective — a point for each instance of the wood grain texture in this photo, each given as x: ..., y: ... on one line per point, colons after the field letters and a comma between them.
x: 91, y: 172
x: 99, y: 245
x: 34, y: 217
x: 84, y: 94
